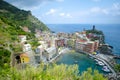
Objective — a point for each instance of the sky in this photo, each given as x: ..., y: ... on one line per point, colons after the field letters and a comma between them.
x: 72, y: 11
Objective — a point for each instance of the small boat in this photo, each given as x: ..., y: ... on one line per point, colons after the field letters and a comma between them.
x: 96, y: 60
x: 91, y: 57
x: 100, y: 63
x: 106, y: 69
x: 76, y: 61
x: 90, y: 54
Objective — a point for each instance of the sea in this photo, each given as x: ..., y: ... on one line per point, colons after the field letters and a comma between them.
x: 112, y: 37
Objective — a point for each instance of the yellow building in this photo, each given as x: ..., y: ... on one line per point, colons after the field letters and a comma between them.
x: 24, y: 58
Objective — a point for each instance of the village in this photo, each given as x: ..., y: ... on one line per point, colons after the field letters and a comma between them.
x: 52, y: 45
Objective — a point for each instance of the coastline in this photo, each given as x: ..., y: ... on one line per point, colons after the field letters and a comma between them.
x: 106, y: 62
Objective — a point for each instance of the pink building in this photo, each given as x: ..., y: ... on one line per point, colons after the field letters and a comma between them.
x: 89, y: 47
x: 59, y: 43
x: 96, y: 45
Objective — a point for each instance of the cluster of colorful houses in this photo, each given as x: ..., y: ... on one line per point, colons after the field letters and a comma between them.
x: 51, y: 44
x: 84, y: 43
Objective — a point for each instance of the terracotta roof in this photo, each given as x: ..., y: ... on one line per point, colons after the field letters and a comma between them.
x: 22, y: 35
x: 82, y: 40
x: 24, y: 54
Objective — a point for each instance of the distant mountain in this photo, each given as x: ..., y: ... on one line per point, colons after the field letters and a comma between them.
x: 13, y: 16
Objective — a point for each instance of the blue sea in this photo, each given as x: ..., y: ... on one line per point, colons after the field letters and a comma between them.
x: 111, y: 31
x: 83, y: 61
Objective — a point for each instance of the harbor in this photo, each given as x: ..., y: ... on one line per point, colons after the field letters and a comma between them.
x: 82, y: 60
x: 102, y: 60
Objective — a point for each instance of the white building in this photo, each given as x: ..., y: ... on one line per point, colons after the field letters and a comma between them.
x: 38, y: 53
x: 80, y: 45
x: 22, y: 38
x: 39, y: 49
x: 44, y: 44
x: 53, y: 41
x: 51, y: 52
x: 82, y: 35
x: 37, y: 35
x: 26, y: 47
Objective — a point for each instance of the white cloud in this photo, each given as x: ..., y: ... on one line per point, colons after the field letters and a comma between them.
x: 51, y: 12
x: 105, y: 11
x: 116, y: 6
x: 62, y: 14
x: 27, y: 3
x: 95, y: 9
x: 115, y: 9
x: 31, y: 4
x: 67, y: 15
x: 93, y: 12
x: 98, y: 10
x: 60, y: 0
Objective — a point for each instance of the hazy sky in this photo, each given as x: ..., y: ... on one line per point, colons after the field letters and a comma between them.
x: 72, y: 11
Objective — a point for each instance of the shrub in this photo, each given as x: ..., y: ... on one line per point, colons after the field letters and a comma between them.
x: 51, y: 72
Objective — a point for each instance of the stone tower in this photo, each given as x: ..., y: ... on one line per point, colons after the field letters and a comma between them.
x: 93, y: 27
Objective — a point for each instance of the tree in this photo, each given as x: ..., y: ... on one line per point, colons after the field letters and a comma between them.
x: 92, y: 75
x: 4, y: 57
x: 71, y: 43
x: 117, y: 67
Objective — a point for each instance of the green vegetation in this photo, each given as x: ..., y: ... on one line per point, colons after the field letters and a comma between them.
x: 91, y: 75
x: 71, y: 43
x: 95, y: 32
x: 51, y: 72
x: 12, y: 20
x: 34, y: 43
x: 105, y: 49
x: 16, y: 48
x: 117, y: 67
x: 4, y: 58
x: 16, y: 17
x: 97, y: 35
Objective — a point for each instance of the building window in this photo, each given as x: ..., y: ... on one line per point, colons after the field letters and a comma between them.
x: 23, y: 60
